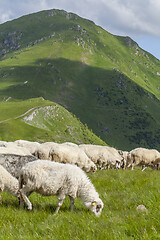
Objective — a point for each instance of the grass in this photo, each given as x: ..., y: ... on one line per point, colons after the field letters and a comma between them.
x: 121, y: 192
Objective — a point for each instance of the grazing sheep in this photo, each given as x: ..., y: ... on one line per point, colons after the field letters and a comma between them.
x: 50, y: 178
x: 144, y: 157
x: 64, y: 153
x: 102, y: 156
x: 3, y: 143
x: 124, y: 154
x: 70, y: 144
x: 14, y: 150
x: 13, y: 163
x: 43, y: 150
x: 31, y: 146
x: 50, y: 144
x: 8, y: 183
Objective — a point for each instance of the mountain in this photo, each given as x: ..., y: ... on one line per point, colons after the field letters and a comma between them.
x: 108, y: 82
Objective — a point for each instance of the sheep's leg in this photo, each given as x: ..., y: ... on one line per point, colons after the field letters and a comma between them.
x: 60, y: 202
x: 143, y: 167
x: 25, y: 199
x: 124, y: 164
x: 0, y: 199
x: 132, y: 168
x: 72, y: 203
x: 129, y: 165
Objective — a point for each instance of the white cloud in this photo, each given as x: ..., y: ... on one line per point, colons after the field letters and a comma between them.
x: 124, y: 17
x: 5, y: 17
x: 133, y: 16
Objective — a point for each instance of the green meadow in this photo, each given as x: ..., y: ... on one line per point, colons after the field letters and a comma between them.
x: 121, y: 191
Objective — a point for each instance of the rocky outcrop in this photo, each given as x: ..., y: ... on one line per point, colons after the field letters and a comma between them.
x: 10, y: 42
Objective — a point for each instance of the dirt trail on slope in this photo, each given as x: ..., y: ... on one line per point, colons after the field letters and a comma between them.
x: 19, y: 115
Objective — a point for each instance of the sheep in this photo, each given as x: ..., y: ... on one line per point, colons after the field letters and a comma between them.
x: 144, y: 157
x: 120, y: 161
x: 9, y: 144
x: 13, y: 163
x: 3, y: 143
x: 74, y: 155
x: 102, y: 156
x: 14, y: 150
x: 8, y: 183
x: 70, y: 144
x: 51, y: 178
x: 42, y: 151
x: 50, y: 143
x: 124, y: 154
x: 31, y: 146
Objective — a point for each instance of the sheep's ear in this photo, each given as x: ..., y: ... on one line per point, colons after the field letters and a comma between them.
x: 93, y: 203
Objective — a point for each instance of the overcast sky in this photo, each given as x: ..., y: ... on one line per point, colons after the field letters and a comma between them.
x: 139, y: 19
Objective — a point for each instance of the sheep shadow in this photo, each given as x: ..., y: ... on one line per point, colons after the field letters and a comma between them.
x: 50, y: 208
x: 10, y: 204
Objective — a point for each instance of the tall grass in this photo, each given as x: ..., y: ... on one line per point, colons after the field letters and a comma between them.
x: 121, y: 192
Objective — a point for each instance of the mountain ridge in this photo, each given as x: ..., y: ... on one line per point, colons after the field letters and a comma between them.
x: 107, y: 81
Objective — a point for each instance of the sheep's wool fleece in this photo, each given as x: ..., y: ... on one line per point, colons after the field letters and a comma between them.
x: 52, y: 178
x: 13, y: 163
x: 8, y: 182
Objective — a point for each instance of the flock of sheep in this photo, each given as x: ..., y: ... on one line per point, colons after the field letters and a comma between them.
x: 59, y: 169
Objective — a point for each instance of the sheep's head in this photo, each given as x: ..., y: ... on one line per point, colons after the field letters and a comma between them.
x: 90, y: 166
x: 95, y: 206
x: 93, y: 168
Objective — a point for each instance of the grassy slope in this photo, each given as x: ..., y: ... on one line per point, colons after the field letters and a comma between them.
x: 107, y: 81
x: 55, y: 124
x: 121, y: 192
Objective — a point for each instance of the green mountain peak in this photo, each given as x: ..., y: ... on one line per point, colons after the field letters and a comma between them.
x: 107, y: 81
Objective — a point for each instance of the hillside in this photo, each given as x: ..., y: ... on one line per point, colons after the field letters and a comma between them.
x: 41, y: 120
x: 107, y: 81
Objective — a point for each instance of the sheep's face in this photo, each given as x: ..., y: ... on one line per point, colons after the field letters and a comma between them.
x: 118, y: 164
x: 93, y: 168
x: 96, y: 207
x: 123, y: 163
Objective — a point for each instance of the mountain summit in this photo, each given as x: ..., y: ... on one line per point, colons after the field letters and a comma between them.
x: 107, y: 81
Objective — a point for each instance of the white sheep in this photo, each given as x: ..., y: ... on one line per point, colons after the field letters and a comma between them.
x: 43, y: 150
x: 3, y: 143
x: 124, y: 154
x: 70, y: 144
x: 31, y: 146
x: 8, y: 183
x: 144, y: 157
x: 50, y: 178
x: 102, y: 156
x: 64, y: 153
x: 14, y: 150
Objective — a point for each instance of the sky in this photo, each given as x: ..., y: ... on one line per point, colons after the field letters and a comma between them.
x: 138, y: 19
